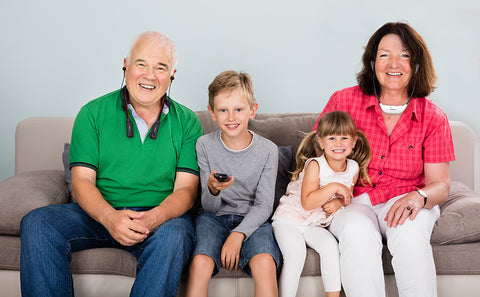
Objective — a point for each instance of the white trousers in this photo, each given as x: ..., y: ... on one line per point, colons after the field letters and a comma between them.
x: 292, y: 240
x: 360, y: 228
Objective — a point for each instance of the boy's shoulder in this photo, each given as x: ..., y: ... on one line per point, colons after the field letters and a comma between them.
x: 209, y: 140
x: 266, y: 142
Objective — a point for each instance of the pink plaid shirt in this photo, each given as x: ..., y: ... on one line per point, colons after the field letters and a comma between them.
x: 422, y: 135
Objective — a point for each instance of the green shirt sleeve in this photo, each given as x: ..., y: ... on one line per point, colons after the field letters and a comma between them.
x: 187, y: 161
x: 84, y: 144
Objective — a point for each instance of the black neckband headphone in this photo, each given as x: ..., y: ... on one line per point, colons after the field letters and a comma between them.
x: 125, y: 99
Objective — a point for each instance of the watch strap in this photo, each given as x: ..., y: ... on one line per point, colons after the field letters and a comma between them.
x: 424, y: 195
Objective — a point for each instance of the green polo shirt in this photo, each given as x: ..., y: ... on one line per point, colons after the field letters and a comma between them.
x: 131, y: 173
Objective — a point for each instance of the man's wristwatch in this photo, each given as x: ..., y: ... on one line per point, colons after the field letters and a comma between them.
x: 422, y: 193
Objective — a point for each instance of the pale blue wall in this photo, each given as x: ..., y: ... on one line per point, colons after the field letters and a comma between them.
x: 56, y: 55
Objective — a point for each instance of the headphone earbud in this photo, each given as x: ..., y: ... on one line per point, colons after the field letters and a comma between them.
x: 416, y: 68
x: 124, y: 68
x: 172, y: 78
x: 372, y: 64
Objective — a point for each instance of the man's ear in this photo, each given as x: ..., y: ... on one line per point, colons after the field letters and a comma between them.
x: 212, y: 114
x: 253, y: 110
x: 124, y: 65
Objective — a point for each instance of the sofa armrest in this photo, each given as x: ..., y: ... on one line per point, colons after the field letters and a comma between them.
x: 26, y: 191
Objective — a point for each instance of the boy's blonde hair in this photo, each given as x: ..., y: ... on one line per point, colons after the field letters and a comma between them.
x: 335, y: 123
x: 230, y: 81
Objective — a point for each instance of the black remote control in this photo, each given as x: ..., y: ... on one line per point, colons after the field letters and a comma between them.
x: 221, y: 177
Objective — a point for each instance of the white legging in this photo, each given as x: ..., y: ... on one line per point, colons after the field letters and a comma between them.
x: 292, y: 240
x: 359, y: 229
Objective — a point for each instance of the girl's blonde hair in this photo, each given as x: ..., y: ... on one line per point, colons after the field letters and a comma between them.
x: 335, y: 123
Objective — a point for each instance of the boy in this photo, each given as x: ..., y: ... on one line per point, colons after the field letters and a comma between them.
x: 231, y: 227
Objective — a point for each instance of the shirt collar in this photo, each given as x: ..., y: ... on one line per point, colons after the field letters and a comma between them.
x: 124, y: 92
x: 412, y: 108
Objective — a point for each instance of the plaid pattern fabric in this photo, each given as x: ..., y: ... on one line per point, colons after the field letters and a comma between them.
x: 422, y: 135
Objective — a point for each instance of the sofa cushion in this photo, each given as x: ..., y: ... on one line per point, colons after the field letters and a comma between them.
x: 283, y: 172
x: 26, y: 191
x: 282, y: 128
x: 459, y: 221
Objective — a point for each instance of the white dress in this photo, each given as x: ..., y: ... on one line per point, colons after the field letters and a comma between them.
x: 290, y: 207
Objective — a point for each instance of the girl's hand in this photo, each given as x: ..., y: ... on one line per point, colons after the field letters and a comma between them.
x: 342, y: 191
x: 333, y: 205
x: 216, y: 186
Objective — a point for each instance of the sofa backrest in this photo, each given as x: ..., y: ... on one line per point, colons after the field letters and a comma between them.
x: 39, y: 142
x: 466, y: 167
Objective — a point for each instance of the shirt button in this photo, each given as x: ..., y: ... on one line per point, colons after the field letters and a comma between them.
x: 379, y: 173
x: 383, y: 157
x: 374, y: 186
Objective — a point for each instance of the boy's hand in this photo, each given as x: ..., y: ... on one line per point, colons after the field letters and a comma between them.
x: 231, y: 250
x: 215, y: 186
x: 333, y: 205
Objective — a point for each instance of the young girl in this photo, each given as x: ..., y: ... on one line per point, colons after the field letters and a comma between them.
x: 330, y: 160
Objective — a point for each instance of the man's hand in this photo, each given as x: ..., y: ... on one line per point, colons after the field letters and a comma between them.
x: 231, y: 250
x: 150, y: 219
x: 124, y: 228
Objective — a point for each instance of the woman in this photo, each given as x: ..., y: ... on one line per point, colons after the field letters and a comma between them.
x: 411, y: 150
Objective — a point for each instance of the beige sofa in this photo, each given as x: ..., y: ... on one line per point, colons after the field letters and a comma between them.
x: 39, y: 180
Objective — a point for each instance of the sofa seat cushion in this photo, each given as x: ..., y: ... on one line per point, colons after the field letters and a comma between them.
x: 459, y: 220
x: 104, y: 261
x: 26, y: 191
x: 9, y: 252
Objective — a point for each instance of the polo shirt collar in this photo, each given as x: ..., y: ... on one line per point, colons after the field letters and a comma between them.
x: 166, y: 105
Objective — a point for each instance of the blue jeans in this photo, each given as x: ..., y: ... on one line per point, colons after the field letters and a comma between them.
x: 49, y: 236
x: 212, y: 231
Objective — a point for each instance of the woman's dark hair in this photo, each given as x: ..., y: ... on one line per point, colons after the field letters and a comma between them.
x: 424, y: 78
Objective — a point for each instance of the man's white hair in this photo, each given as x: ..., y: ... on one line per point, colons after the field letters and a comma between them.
x: 162, y: 39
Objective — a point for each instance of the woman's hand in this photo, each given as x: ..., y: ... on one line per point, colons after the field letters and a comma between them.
x: 407, y: 206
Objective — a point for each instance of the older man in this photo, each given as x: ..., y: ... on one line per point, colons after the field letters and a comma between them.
x: 134, y: 176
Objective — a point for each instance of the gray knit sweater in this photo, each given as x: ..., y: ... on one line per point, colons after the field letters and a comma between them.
x: 255, y: 170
